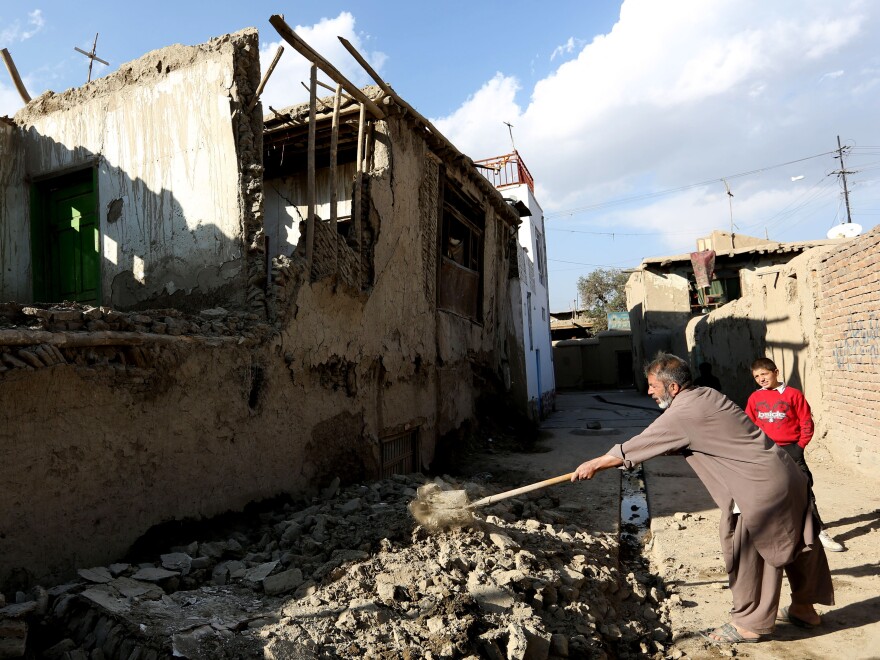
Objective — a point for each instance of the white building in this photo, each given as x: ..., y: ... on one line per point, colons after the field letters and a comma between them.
x: 532, y: 383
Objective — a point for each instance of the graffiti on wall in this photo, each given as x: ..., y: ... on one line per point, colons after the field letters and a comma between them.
x: 859, y: 344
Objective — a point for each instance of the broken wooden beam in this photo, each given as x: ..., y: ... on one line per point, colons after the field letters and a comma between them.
x: 265, y: 79
x: 16, y: 79
x: 310, y: 173
x: 358, y: 176
x: 334, y: 147
x: 333, y: 89
x: 306, y: 51
x: 390, y: 93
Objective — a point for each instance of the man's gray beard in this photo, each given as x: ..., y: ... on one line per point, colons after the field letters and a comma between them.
x: 664, y: 401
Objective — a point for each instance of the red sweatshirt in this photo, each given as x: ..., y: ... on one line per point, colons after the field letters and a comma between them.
x: 783, y: 414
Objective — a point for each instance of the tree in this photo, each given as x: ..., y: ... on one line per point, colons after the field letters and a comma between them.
x: 602, y: 291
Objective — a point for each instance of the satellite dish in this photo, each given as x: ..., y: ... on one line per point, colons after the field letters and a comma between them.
x: 845, y: 230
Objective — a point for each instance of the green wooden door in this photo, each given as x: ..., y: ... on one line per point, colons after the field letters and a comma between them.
x: 73, y: 243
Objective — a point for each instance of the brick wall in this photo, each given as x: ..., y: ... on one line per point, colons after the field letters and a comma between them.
x: 848, y: 312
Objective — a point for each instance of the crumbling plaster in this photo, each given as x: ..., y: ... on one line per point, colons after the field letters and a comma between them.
x: 161, y: 133
x: 410, y: 360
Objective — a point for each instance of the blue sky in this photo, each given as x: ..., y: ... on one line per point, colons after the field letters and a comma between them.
x: 629, y: 114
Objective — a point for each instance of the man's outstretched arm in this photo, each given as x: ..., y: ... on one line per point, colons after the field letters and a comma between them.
x: 591, y: 467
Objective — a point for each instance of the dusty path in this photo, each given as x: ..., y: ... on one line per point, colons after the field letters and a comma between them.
x: 683, y: 545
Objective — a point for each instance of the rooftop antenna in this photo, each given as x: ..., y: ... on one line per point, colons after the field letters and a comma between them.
x: 92, y: 57
x: 510, y: 130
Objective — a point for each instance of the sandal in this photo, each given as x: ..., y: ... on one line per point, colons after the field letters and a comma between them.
x: 785, y: 615
x: 727, y: 634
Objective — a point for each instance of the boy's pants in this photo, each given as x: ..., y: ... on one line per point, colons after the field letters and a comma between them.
x: 797, y: 455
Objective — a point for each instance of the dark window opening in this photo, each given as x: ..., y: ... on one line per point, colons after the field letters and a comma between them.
x: 723, y: 288
x: 461, y: 264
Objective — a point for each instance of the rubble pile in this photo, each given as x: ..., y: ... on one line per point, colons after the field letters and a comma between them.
x: 352, y: 575
x: 37, y: 336
x: 74, y: 316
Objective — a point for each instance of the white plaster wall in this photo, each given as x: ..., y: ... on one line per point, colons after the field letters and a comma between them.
x: 15, y: 240
x: 166, y: 149
x: 540, y: 374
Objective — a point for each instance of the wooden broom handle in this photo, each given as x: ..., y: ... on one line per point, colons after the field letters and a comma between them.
x: 522, y: 489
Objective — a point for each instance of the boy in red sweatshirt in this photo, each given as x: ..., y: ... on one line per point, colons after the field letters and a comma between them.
x: 783, y: 414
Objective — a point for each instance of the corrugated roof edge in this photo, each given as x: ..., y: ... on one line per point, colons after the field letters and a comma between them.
x: 767, y: 248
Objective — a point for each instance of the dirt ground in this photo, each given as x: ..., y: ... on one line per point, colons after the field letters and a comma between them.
x: 683, y: 544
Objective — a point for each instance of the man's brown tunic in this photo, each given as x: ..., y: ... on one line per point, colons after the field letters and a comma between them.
x: 737, y: 463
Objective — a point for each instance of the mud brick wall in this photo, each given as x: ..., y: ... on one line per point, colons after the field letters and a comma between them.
x: 848, y: 309
x: 333, y: 255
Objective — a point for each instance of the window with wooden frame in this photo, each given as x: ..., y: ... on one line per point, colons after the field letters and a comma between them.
x: 461, y: 263
x: 400, y: 453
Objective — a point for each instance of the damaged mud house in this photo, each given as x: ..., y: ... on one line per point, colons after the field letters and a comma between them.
x: 211, y: 308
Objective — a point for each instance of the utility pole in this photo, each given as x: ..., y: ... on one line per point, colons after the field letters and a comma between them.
x: 842, y: 172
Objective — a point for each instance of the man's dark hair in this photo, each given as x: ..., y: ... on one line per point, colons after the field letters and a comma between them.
x: 669, y: 368
x: 764, y: 363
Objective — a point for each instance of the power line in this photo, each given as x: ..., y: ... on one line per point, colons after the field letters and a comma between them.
x: 579, y: 263
x: 669, y: 191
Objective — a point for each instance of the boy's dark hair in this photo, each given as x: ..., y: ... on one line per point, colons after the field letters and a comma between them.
x: 669, y: 368
x: 764, y: 363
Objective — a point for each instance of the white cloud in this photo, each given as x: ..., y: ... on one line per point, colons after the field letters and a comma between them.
x: 680, y: 92
x: 284, y: 87
x: 15, y: 32
x: 10, y: 101
x: 565, y: 49
x: 479, y: 122
x: 674, y: 92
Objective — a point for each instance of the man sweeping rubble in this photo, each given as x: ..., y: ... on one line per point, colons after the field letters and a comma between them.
x: 767, y: 525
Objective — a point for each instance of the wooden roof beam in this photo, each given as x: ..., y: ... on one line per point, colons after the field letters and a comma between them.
x: 311, y: 55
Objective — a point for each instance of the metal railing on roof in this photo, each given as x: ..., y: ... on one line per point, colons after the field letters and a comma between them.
x: 507, y: 170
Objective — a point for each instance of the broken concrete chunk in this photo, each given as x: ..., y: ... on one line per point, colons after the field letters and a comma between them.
x: 98, y: 575
x: 526, y: 643
x: 351, y: 506
x: 284, y: 582
x: 18, y: 610
x: 107, y: 598
x: 503, y: 541
x: 261, y: 572
x: 177, y: 561
x: 136, y: 589
x: 154, y: 574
